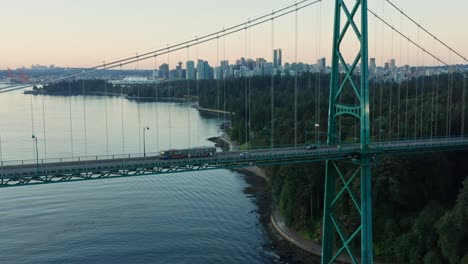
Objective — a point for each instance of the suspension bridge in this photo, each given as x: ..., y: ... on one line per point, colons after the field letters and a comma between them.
x: 355, y: 91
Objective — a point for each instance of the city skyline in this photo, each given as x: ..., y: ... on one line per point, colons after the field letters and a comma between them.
x: 49, y: 33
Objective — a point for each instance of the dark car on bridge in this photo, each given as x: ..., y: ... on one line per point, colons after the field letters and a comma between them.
x: 311, y: 147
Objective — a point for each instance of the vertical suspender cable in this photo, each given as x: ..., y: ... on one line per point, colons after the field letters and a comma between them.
x: 407, y: 92
x: 400, y: 81
x: 138, y: 108
x: 44, y: 126
x: 1, y: 158
x: 416, y: 91
x: 383, y: 80
x: 355, y: 119
x: 462, y: 127
x: 169, y: 94
x: 318, y: 76
x: 374, y: 90
x: 433, y: 94
x: 122, y: 115
x: 437, y: 106
x: 218, y: 86
x: 156, y: 116
x: 296, y: 72
x: 390, y: 91
x: 223, y: 75
x: 246, y: 115
x: 422, y: 97
x: 188, y: 96
x: 451, y: 72
x: 249, y: 91
x: 272, y: 90
x: 32, y: 124
x: 71, y: 117
x: 84, y: 126
x: 107, y: 122
x: 447, y: 122
x: 197, y: 76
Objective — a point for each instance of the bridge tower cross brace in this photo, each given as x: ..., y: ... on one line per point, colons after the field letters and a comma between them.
x: 331, y: 227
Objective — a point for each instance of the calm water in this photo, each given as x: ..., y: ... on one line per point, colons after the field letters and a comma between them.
x: 199, y: 217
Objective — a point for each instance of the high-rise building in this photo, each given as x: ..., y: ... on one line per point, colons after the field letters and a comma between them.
x: 217, y: 73
x: 392, y: 64
x: 201, y: 73
x: 224, y: 69
x: 190, y: 70
x: 224, y: 64
x: 244, y: 71
x: 164, y: 71
x: 209, y: 72
x: 372, y: 66
x: 322, y: 64
x: 260, y: 61
x: 387, y: 66
x: 280, y: 57
x: 277, y: 58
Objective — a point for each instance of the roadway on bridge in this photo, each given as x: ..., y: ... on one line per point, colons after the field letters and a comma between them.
x: 54, y: 170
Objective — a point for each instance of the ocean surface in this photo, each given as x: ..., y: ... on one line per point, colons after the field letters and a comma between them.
x: 195, y: 217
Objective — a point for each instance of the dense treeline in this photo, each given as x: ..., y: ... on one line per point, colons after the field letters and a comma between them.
x: 175, y: 89
x: 420, y: 202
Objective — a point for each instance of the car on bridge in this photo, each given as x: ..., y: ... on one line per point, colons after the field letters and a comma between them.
x: 311, y: 147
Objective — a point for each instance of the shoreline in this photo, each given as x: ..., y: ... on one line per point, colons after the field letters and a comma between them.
x: 280, y: 242
x: 98, y: 93
x: 212, y: 111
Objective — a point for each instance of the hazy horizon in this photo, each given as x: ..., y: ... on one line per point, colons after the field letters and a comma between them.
x: 86, y: 33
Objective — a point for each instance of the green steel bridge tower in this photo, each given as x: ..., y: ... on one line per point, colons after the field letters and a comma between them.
x: 359, y: 88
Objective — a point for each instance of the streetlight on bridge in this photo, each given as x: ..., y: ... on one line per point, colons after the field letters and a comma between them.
x: 37, y: 153
x: 144, y: 140
x: 317, y: 136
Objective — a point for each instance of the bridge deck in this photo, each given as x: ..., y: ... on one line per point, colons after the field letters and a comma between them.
x: 16, y: 173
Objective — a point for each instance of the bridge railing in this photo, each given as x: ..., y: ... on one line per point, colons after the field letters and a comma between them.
x: 77, y: 159
x: 384, y: 145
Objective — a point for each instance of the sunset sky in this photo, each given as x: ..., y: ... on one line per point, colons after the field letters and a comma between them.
x: 86, y: 32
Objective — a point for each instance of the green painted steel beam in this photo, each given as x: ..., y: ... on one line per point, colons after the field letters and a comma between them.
x: 361, y: 113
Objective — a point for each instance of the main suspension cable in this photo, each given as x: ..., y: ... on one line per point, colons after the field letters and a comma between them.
x: 179, y: 46
x: 427, y: 31
x: 414, y: 43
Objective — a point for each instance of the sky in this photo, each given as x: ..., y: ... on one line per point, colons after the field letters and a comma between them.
x: 83, y: 33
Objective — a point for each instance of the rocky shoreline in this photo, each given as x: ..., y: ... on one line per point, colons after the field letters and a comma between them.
x: 257, y: 189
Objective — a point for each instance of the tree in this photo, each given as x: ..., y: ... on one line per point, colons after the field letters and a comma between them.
x: 452, y: 229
